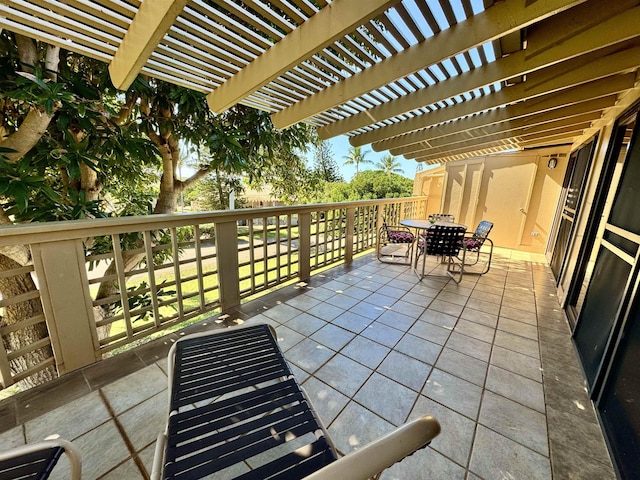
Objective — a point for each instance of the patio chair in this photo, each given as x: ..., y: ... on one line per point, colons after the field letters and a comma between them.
x: 445, y: 242
x: 36, y: 461
x: 445, y: 217
x: 394, y: 235
x: 235, y: 410
x: 474, y: 241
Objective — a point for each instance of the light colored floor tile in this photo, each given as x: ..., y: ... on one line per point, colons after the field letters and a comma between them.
x: 417, y: 299
x: 516, y: 387
x: 396, y: 320
x: 356, y: 426
x: 495, y: 456
x: 333, y: 337
x: 446, y: 307
x: 453, y: 392
x: 365, y: 351
x: 305, y: 324
x: 135, y: 388
x: 282, y: 312
x: 517, y: 363
x: 519, y: 314
x: 143, y: 423
x: 407, y: 308
x: 483, y: 306
x: 357, y: 293
x: 463, y: 366
x: 325, y: 311
x: 309, y: 355
x: 303, y: 302
x: 344, y: 374
x: 469, y: 346
x: 475, y: 330
x: 382, y: 333
x: 518, y: 328
x: 483, y: 318
x: 380, y: 300
x: 12, y: 438
x: 406, y: 370
x: 517, y: 344
x: 438, y: 318
x: 101, y: 449
x: 343, y: 301
x: 425, y: 464
x: 456, y: 436
x: 515, y: 421
x: 386, y: 398
x: 352, y: 322
x: 446, y: 296
x: 69, y: 421
x: 419, y: 348
x: 327, y: 401
x: 367, y: 310
x: 287, y: 338
x: 320, y: 293
x: 430, y: 332
x: 128, y: 470
x: 487, y: 297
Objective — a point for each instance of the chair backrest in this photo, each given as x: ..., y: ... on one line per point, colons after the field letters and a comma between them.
x: 445, y: 217
x: 482, y: 230
x: 443, y: 240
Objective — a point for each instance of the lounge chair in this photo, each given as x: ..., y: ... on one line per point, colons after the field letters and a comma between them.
x: 36, y: 461
x: 235, y: 410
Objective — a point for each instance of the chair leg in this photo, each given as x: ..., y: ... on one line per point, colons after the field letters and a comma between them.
x: 451, y: 270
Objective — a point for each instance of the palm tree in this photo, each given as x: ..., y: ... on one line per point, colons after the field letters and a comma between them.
x: 389, y: 165
x: 356, y: 157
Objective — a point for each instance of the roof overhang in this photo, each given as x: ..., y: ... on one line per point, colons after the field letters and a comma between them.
x: 433, y: 81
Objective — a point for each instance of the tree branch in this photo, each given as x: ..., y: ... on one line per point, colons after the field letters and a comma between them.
x: 202, y: 172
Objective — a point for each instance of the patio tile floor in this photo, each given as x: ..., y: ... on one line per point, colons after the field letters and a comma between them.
x: 491, y: 358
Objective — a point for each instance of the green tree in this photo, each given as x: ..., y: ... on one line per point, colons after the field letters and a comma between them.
x: 324, y: 165
x: 356, y: 157
x: 389, y: 165
x: 70, y: 140
x: 372, y: 184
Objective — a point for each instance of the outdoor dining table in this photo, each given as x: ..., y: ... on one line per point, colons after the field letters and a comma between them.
x: 421, y: 224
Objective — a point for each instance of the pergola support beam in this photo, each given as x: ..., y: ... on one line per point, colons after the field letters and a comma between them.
x: 152, y: 21
x: 495, y: 22
x: 549, y: 80
x: 331, y: 23
x: 612, y: 31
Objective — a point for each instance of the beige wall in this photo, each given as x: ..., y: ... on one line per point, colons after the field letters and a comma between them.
x: 430, y: 183
x: 515, y: 191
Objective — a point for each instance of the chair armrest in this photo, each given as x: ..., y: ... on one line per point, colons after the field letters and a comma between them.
x: 382, y: 453
x: 69, y: 449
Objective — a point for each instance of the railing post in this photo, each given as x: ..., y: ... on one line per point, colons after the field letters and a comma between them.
x: 66, y: 301
x: 304, y: 245
x: 228, y: 269
x: 350, y: 224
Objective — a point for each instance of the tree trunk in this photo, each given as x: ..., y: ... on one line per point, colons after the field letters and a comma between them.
x: 13, y: 314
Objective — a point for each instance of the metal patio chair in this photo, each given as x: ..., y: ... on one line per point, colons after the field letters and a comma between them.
x: 36, y: 461
x: 445, y: 242
x: 445, y: 217
x: 473, y: 243
x: 235, y: 410
x: 394, y: 235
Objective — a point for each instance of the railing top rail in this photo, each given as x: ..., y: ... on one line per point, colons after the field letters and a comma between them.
x: 73, y: 229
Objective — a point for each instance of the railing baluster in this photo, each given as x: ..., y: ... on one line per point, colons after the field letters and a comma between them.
x: 122, y: 282
x: 198, y: 248
x: 175, y: 248
x: 148, y: 247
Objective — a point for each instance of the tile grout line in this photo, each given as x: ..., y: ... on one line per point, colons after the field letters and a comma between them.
x: 125, y: 438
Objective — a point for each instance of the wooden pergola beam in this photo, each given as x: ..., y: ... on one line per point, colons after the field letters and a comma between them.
x: 331, y: 23
x: 553, y: 79
x: 152, y: 21
x: 515, y: 141
x: 507, y: 132
x: 499, y: 20
x: 513, y: 116
x: 612, y: 31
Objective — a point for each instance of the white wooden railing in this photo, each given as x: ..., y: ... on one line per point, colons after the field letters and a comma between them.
x: 169, y: 269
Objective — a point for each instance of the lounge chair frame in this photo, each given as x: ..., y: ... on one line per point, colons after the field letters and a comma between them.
x: 37, y: 460
x: 233, y: 399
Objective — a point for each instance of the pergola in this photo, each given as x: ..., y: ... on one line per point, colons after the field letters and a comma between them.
x: 433, y: 80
